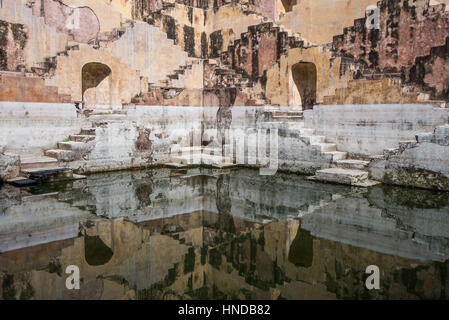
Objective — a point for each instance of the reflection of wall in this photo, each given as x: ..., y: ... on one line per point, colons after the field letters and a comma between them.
x: 31, y: 221
x: 244, y: 254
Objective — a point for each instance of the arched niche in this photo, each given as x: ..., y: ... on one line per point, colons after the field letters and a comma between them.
x: 96, y: 86
x: 304, y: 84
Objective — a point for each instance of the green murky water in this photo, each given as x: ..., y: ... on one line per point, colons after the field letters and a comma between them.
x: 205, y: 234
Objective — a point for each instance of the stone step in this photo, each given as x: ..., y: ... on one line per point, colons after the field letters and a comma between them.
x: 103, y: 117
x: 341, y: 176
x: 287, y: 113
x: 88, y: 131
x: 287, y: 117
x: 198, y: 158
x: 337, y: 155
x: 72, y: 145
x: 82, y: 138
x: 408, y: 144
x: 30, y: 162
x: 307, y: 132
x: 326, y: 147
x: 296, y: 125
x: 188, y: 150
x: 352, y: 164
x: 313, y: 139
x: 61, y: 155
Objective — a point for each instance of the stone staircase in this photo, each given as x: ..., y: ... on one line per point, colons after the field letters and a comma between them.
x: 288, y: 115
x: 116, y: 43
x: 222, y: 75
x: 75, y: 147
x: 355, y: 171
x: 260, y: 18
x: 402, y: 82
x: 183, y: 77
x: 103, y: 38
x: 285, y: 38
x: 141, y: 45
x: 50, y: 167
x: 44, y: 40
x: 28, y: 87
x: 248, y: 17
x: 343, y: 169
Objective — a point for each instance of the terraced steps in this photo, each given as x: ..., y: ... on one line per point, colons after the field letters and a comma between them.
x: 337, y: 155
x: 75, y: 148
x: 82, y: 137
x: 352, y: 164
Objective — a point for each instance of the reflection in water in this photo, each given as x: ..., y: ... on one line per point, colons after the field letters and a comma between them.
x: 206, y: 234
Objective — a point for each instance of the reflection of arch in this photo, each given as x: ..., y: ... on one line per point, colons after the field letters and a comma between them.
x: 96, y: 85
x: 96, y: 252
x: 304, y: 76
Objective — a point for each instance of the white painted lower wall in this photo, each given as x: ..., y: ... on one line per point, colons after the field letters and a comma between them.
x: 369, y: 129
x: 359, y: 129
x: 27, y: 127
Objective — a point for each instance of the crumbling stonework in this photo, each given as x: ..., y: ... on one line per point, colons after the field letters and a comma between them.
x: 9, y: 166
x: 422, y: 164
x: 13, y: 38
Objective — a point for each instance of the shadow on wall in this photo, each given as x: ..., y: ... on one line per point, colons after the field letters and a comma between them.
x: 305, y: 79
x: 96, y: 85
x: 288, y: 4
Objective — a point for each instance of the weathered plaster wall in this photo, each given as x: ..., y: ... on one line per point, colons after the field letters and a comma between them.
x: 329, y: 74
x: 125, y: 82
x: 110, y: 13
x: 410, y: 44
x: 320, y: 20
x: 147, y: 136
x: 422, y: 164
x: 27, y: 128
x: 78, y: 23
x: 14, y: 86
x: 370, y: 129
x: 13, y: 38
x: 407, y: 29
x: 41, y: 41
x: 142, y: 47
